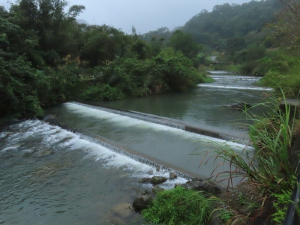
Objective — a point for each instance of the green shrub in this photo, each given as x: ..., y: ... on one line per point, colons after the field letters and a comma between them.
x: 176, y: 70
x: 179, y: 206
x: 102, y: 92
x: 281, y: 203
x: 268, y: 170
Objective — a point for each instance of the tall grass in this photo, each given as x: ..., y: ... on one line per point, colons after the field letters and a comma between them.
x: 269, y: 170
x: 179, y: 206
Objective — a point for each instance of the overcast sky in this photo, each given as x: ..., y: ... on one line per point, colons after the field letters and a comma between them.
x: 144, y: 15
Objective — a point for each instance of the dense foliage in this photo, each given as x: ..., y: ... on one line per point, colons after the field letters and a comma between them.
x: 46, y: 57
x: 227, y: 22
x: 227, y: 27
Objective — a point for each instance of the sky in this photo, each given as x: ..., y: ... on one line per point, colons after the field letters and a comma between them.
x: 144, y: 15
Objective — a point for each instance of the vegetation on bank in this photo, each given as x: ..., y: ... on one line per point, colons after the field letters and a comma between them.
x: 179, y: 206
x: 268, y: 178
x: 46, y: 58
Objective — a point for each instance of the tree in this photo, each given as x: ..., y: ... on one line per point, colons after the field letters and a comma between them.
x: 184, y: 43
x: 288, y: 23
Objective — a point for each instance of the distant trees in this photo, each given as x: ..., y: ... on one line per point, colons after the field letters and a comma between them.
x: 288, y: 23
x: 228, y: 21
x: 161, y: 34
x: 184, y: 43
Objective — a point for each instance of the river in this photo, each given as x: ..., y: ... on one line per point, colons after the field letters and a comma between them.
x: 86, y: 170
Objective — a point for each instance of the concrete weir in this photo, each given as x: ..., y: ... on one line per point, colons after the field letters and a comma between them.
x: 137, y: 156
x: 234, y: 136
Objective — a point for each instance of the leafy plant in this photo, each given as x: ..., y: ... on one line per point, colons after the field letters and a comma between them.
x: 269, y: 170
x: 179, y: 206
x: 281, y: 202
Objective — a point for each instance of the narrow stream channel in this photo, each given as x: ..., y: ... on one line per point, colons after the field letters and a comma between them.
x: 49, y: 174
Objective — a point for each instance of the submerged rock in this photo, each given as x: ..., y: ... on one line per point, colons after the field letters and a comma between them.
x: 142, y: 202
x: 158, y: 180
x: 173, y: 175
x: 46, y: 153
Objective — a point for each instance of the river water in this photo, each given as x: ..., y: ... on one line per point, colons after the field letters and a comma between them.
x: 50, y: 174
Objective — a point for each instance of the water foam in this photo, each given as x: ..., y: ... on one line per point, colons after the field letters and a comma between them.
x: 242, y: 78
x: 51, y: 135
x: 126, y: 121
x: 218, y: 72
x: 236, y: 87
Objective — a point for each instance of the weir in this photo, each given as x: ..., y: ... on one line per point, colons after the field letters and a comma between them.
x: 170, y: 123
x: 137, y: 156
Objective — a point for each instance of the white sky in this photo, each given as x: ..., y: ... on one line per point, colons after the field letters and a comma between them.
x: 144, y: 15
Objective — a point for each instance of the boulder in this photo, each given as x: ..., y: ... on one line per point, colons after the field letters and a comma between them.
x: 173, y: 175
x: 157, y: 189
x: 158, y: 180
x: 145, y: 180
x: 200, y: 185
x: 142, y: 202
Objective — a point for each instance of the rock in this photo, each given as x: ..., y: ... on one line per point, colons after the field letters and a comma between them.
x: 241, y: 106
x: 173, y: 175
x: 145, y: 180
x: 157, y: 189
x: 215, y: 220
x: 146, y: 192
x: 158, y: 180
x: 200, y: 185
x: 9, y: 134
x: 142, y: 202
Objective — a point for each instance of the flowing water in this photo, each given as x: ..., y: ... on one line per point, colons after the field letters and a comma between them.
x: 50, y: 174
x: 207, y: 106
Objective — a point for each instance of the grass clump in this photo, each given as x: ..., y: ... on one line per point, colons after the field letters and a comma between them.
x: 179, y: 206
x: 269, y: 171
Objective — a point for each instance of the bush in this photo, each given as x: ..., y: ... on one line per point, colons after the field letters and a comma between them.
x: 102, y: 92
x: 176, y: 70
x: 179, y: 206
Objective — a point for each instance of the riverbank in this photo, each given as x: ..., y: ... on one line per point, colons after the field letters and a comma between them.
x: 266, y: 192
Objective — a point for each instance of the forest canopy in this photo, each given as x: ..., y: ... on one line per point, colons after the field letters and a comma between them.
x: 46, y: 58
